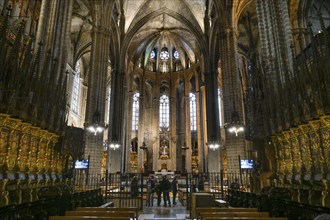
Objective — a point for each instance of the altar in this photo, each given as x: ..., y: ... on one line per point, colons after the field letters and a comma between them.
x: 164, y: 173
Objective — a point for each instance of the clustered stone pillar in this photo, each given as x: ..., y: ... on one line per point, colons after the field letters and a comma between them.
x: 95, y: 109
x: 174, y: 146
x: 276, y: 58
x: 232, y: 95
x: 212, y: 115
x: 187, y: 123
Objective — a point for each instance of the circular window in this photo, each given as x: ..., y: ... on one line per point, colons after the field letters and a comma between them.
x: 164, y: 55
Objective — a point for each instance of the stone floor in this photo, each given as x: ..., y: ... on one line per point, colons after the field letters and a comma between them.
x: 177, y: 211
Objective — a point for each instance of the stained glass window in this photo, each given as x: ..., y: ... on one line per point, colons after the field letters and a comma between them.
x: 164, y: 55
x: 220, y: 107
x: 176, y: 55
x: 135, y: 112
x: 152, y: 55
x: 193, y: 115
x: 164, y: 111
x: 75, y: 89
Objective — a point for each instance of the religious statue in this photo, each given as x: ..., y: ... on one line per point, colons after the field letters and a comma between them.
x: 164, y: 152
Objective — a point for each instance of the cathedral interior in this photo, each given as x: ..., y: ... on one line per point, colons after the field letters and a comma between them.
x: 183, y: 86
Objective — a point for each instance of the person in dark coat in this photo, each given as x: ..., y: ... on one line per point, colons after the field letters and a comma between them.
x: 134, y: 187
x: 165, y: 185
x: 150, y: 190
x: 174, y: 189
x: 235, y: 185
x: 159, y: 191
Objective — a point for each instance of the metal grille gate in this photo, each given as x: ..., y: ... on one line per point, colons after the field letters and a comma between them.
x: 129, y: 189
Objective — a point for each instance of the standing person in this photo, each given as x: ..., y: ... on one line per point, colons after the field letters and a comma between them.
x: 235, y: 185
x: 166, y: 187
x: 174, y: 189
x: 134, y: 187
x: 158, y: 190
x: 150, y: 189
x: 201, y: 184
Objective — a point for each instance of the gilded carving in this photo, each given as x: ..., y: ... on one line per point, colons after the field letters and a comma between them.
x: 287, y: 152
x: 305, y: 150
x: 325, y: 141
x: 3, y: 148
x: 296, y: 157
x: 48, y: 157
x: 316, y: 153
x: 41, y: 156
x: 280, y: 154
x: 13, y: 151
x: 33, y: 155
x: 24, y: 148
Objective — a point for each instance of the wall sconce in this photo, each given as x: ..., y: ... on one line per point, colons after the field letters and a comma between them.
x: 213, y: 145
x: 235, y: 129
x: 96, y: 126
x: 114, y: 145
x: 235, y: 126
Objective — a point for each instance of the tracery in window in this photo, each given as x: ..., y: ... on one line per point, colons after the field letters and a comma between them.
x: 108, y: 101
x: 193, y: 116
x: 176, y: 54
x: 152, y: 55
x: 164, y: 55
x: 135, y: 111
x: 164, y: 112
x: 75, y: 89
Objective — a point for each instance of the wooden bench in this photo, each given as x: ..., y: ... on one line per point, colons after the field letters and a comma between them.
x: 133, y: 209
x: 219, y: 209
x: 128, y: 214
x: 233, y: 214
x: 245, y: 218
x: 87, y: 217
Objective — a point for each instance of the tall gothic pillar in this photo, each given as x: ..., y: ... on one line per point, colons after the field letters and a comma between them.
x: 276, y: 59
x: 96, y: 94
x: 212, y: 114
x: 199, y: 121
x: 174, y: 156
x: 155, y: 126
x: 232, y: 96
x: 116, y: 122
x: 202, y: 147
x: 187, y: 129
x: 142, y: 137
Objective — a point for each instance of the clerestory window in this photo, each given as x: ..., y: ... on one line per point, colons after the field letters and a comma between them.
x: 135, y: 111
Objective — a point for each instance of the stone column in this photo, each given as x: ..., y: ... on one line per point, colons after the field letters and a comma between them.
x: 142, y: 153
x: 232, y: 96
x: 42, y: 22
x: 174, y: 145
x: 129, y: 131
x: 276, y: 58
x: 155, y: 125
x: 212, y: 115
x: 202, y: 147
x: 187, y: 123
x: 96, y: 94
x: 116, y: 120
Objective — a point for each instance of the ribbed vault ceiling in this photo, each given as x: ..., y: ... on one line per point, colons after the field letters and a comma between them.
x: 165, y: 23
